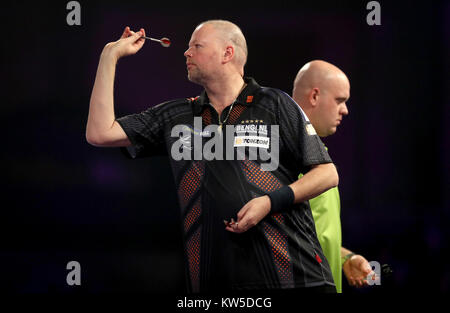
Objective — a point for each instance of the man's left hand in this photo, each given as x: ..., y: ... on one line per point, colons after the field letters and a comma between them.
x: 356, y: 270
x: 250, y: 215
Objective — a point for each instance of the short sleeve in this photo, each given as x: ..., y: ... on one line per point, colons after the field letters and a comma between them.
x: 145, y: 132
x: 299, y: 135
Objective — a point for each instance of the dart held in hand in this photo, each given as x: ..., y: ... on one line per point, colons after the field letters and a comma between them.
x: 165, y: 42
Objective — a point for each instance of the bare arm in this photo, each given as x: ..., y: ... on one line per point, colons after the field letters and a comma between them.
x: 318, y: 180
x: 102, y: 129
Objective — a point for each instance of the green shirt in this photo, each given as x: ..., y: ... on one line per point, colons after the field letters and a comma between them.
x: 326, y: 210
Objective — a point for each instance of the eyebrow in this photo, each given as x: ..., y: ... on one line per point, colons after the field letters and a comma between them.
x: 200, y: 42
x: 342, y: 99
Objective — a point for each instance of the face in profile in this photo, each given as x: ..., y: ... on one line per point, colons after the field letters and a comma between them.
x: 332, y: 104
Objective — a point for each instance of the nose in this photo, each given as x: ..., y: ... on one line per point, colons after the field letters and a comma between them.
x: 344, y: 109
x: 188, y: 53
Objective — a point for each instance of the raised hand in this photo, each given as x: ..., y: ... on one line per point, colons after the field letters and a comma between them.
x: 129, y: 43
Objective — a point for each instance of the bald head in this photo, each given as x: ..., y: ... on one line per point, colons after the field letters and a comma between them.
x: 322, y: 89
x: 231, y: 34
x: 315, y: 74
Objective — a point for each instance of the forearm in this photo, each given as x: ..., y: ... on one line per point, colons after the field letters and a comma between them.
x: 101, y: 108
x: 318, y: 180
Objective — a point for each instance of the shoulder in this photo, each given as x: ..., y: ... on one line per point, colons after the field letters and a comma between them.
x: 275, y: 95
x: 281, y: 101
x: 173, y: 104
x: 172, y: 108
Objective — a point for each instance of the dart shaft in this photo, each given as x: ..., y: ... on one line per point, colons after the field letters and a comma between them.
x: 151, y: 38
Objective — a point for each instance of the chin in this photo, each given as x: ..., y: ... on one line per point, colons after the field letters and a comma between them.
x: 193, y: 79
x: 331, y: 131
x: 197, y: 79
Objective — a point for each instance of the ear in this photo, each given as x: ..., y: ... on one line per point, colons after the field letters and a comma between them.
x: 314, y: 96
x: 228, y: 54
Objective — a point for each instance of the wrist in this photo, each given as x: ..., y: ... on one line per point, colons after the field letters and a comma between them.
x: 281, y: 198
x: 347, y: 257
x: 108, y: 54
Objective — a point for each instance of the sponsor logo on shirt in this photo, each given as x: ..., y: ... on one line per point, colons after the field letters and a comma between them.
x: 251, y: 128
x: 250, y: 140
x: 310, y: 129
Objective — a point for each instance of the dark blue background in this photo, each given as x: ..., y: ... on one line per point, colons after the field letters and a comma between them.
x: 65, y: 200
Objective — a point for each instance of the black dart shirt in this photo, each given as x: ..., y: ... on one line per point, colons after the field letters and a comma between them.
x: 264, y: 142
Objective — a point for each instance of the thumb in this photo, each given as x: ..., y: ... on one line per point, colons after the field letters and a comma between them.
x: 242, y: 212
x: 367, y: 269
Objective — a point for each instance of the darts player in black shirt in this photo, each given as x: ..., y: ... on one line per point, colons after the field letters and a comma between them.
x: 246, y: 220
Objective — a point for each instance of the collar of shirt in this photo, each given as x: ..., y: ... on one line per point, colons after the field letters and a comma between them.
x: 245, y: 97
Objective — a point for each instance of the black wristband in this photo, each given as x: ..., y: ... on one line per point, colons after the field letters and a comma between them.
x: 281, y: 199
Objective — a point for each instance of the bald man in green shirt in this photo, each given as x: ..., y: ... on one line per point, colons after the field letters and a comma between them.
x: 321, y: 89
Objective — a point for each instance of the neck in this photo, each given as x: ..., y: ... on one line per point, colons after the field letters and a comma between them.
x: 308, y: 110
x: 223, y: 92
x: 314, y: 119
